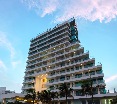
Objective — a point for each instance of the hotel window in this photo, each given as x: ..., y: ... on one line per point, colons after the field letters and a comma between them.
x: 43, y: 86
x: 43, y: 80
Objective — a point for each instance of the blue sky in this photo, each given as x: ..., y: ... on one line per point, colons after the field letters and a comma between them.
x: 22, y: 20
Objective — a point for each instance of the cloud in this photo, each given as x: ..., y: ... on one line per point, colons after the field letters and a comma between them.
x: 4, y: 42
x: 114, y: 77
x: 42, y: 6
x: 2, y: 66
x: 15, y: 63
x: 92, y: 10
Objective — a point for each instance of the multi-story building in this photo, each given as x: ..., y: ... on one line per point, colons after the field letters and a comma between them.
x: 56, y: 56
x: 8, y: 96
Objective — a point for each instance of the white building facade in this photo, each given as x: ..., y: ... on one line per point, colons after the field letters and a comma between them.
x: 8, y: 96
x: 56, y: 57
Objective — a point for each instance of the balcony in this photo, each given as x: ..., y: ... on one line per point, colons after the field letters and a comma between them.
x: 69, y: 65
x: 73, y: 79
x: 64, y: 59
x: 50, y: 52
x: 69, y: 72
x: 29, y: 75
x: 29, y: 81
x: 66, y: 32
x: 58, y: 40
x: 27, y: 87
x: 49, y: 35
x: 60, y: 49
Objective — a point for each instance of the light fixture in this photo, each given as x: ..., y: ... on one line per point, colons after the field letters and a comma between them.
x: 69, y: 60
x: 74, y: 52
x: 49, y: 66
x: 80, y: 64
x: 54, y: 48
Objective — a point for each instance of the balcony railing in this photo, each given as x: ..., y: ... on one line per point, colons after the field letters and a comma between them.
x: 50, y: 35
x: 77, y: 78
x: 59, y: 59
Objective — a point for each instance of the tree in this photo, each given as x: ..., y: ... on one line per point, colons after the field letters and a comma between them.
x: 89, y: 89
x: 44, y: 96
x: 54, y: 95
x: 31, y: 94
x: 65, y: 91
x: 114, y: 101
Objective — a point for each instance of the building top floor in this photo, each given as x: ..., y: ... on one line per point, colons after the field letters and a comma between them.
x: 70, y: 22
x: 4, y: 91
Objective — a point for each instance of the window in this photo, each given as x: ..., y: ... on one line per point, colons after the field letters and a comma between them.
x: 43, y: 86
x: 43, y: 80
x: 77, y: 84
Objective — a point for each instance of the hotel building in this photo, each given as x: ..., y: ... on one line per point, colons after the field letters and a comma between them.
x: 56, y: 56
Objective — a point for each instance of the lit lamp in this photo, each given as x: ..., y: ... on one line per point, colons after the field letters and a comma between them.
x: 25, y: 100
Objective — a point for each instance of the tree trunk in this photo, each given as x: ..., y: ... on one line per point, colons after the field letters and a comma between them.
x: 33, y: 101
x: 66, y: 99
x: 92, y: 99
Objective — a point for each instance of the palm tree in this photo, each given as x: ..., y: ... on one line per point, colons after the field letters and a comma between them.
x: 31, y: 94
x: 45, y: 96
x: 89, y: 89
x: 114, y: 101
x: 39, y: 96
x: 65, y: 91
x: 54, y: 95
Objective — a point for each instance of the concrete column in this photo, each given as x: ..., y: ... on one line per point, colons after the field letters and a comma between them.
x: 100, y: 101
x: 98, y: 91
x: 107, y: 101
x: 86, y: 102
x: 37, y: 84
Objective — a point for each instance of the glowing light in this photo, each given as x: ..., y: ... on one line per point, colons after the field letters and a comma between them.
x: 74, y: 52
x: 17, y: 98
x: 80, y: 64
x: 69, y: 60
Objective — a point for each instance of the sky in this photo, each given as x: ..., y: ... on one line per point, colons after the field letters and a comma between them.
x: 22, y: 20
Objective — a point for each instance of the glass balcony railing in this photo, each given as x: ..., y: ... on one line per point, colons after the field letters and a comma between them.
x: 77, y: 85
x: 100, y: 81
x: 99, y: 72
x: 62, y: 79
x: 52, y: 88
x: 78, y: 76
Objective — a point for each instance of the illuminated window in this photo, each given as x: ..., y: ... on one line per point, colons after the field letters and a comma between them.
x: 43, y: 80
x: 43, y: 86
